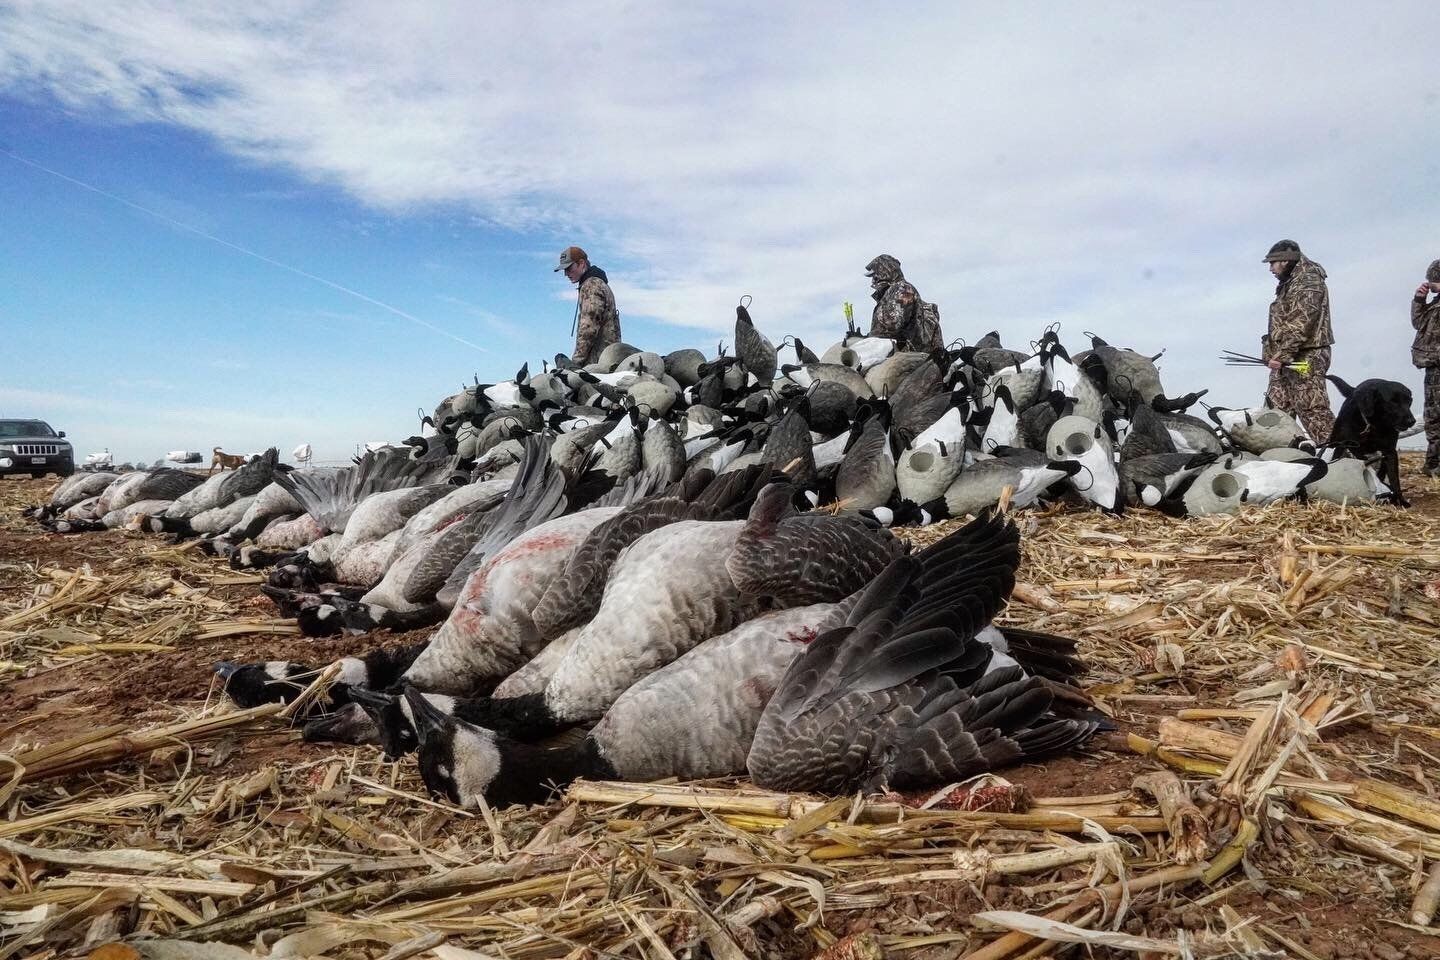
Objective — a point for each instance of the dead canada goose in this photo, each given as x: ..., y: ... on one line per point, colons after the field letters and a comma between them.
x: 805, y: 558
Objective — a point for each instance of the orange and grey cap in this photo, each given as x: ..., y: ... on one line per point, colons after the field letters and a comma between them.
x: 1283, y: 251
x: 568, y: 256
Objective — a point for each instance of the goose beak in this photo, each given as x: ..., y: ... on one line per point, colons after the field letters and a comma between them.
x: 429, y: 720
x: 225, y: 669
x: 372, y: 701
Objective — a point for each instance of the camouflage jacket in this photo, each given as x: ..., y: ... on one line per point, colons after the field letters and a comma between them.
x: 597, y: 322
x: 1300, y: 314
x: 901, y: 315
x: 1425, y: 351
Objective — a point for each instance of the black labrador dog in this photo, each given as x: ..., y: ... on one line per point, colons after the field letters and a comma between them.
x: 1370, y: 421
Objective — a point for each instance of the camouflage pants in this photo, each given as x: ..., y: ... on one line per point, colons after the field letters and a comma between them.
x: 1305, y: 398
x: 1432, y: 416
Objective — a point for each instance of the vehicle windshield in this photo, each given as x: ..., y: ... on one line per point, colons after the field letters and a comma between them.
x: 15, y: 429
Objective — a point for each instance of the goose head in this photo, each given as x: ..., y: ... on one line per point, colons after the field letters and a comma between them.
x: 349, y: 724
x: 458, y: 761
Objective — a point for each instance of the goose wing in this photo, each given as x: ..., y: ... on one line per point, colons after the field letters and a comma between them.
x: 899, y: 697
x: 537, y: 495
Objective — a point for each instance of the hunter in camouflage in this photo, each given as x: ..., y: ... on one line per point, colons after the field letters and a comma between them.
x: 900, y: 314
x: 1425, y: 354
x: 597, y: 322
x: 1299, y: 332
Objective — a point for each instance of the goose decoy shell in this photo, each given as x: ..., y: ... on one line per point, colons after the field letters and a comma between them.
x: 684, y: 366
x: 925, y: 472
x: 1215, y: 490
x: 754, y: 349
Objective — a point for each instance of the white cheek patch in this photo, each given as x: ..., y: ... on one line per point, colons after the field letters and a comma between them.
x: 277, y: 669
x: 353, y: 672
x: 477, y: 763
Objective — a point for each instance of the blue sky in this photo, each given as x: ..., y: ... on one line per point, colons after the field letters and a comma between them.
x: 1120, y: 168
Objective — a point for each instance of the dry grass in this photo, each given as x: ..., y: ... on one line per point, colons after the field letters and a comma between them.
x: 1273, y: 673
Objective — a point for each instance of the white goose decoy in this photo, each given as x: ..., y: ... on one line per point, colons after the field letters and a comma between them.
x: 981, y: 484
x: 1259, y: 429
x: 949, y: 429
x: 1269, y: 480
x: 1003, y: 430
x: 1062, y: 374
x: 926, y: 471
x: 1085, y: 442
x: 899, y: 697
x: 1215, y: 490
x: 511, y: 393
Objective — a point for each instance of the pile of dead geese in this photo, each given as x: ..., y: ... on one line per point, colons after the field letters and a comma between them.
x: 682, y: 567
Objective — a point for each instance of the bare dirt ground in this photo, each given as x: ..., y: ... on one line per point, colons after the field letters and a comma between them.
x: 1325, y: 616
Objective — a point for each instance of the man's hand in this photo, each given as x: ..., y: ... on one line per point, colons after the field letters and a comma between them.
x: 1422, y: 291
x: 1274, y: 364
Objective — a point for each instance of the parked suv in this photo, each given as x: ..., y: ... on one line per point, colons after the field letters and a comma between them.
x: 30, y: 446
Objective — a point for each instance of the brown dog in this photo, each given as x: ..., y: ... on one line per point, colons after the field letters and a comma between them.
x: 226, y: 461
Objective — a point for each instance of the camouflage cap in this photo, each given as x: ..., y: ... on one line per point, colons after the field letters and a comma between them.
x: 1433, y: 273
x: 885, y: 267
x: 1283, y: 251
x: 570, y: 255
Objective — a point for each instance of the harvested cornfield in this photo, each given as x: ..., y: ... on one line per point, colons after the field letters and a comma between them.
x: 1268, y: 791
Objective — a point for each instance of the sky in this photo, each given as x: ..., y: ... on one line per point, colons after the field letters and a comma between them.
x: 275, y: 223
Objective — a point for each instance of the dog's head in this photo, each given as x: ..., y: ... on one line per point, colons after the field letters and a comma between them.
x: 1387, y: 405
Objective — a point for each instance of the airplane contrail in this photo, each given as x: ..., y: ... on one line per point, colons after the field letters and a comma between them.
x: 180, y: 225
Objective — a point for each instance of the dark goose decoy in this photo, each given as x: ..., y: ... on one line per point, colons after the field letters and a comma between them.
x: 754, y: 349
x: 1157, y: 477
x: 898, y: 698
x: 866, y: 477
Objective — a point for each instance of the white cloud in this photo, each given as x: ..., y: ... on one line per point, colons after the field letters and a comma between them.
x: 1117, y: 167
